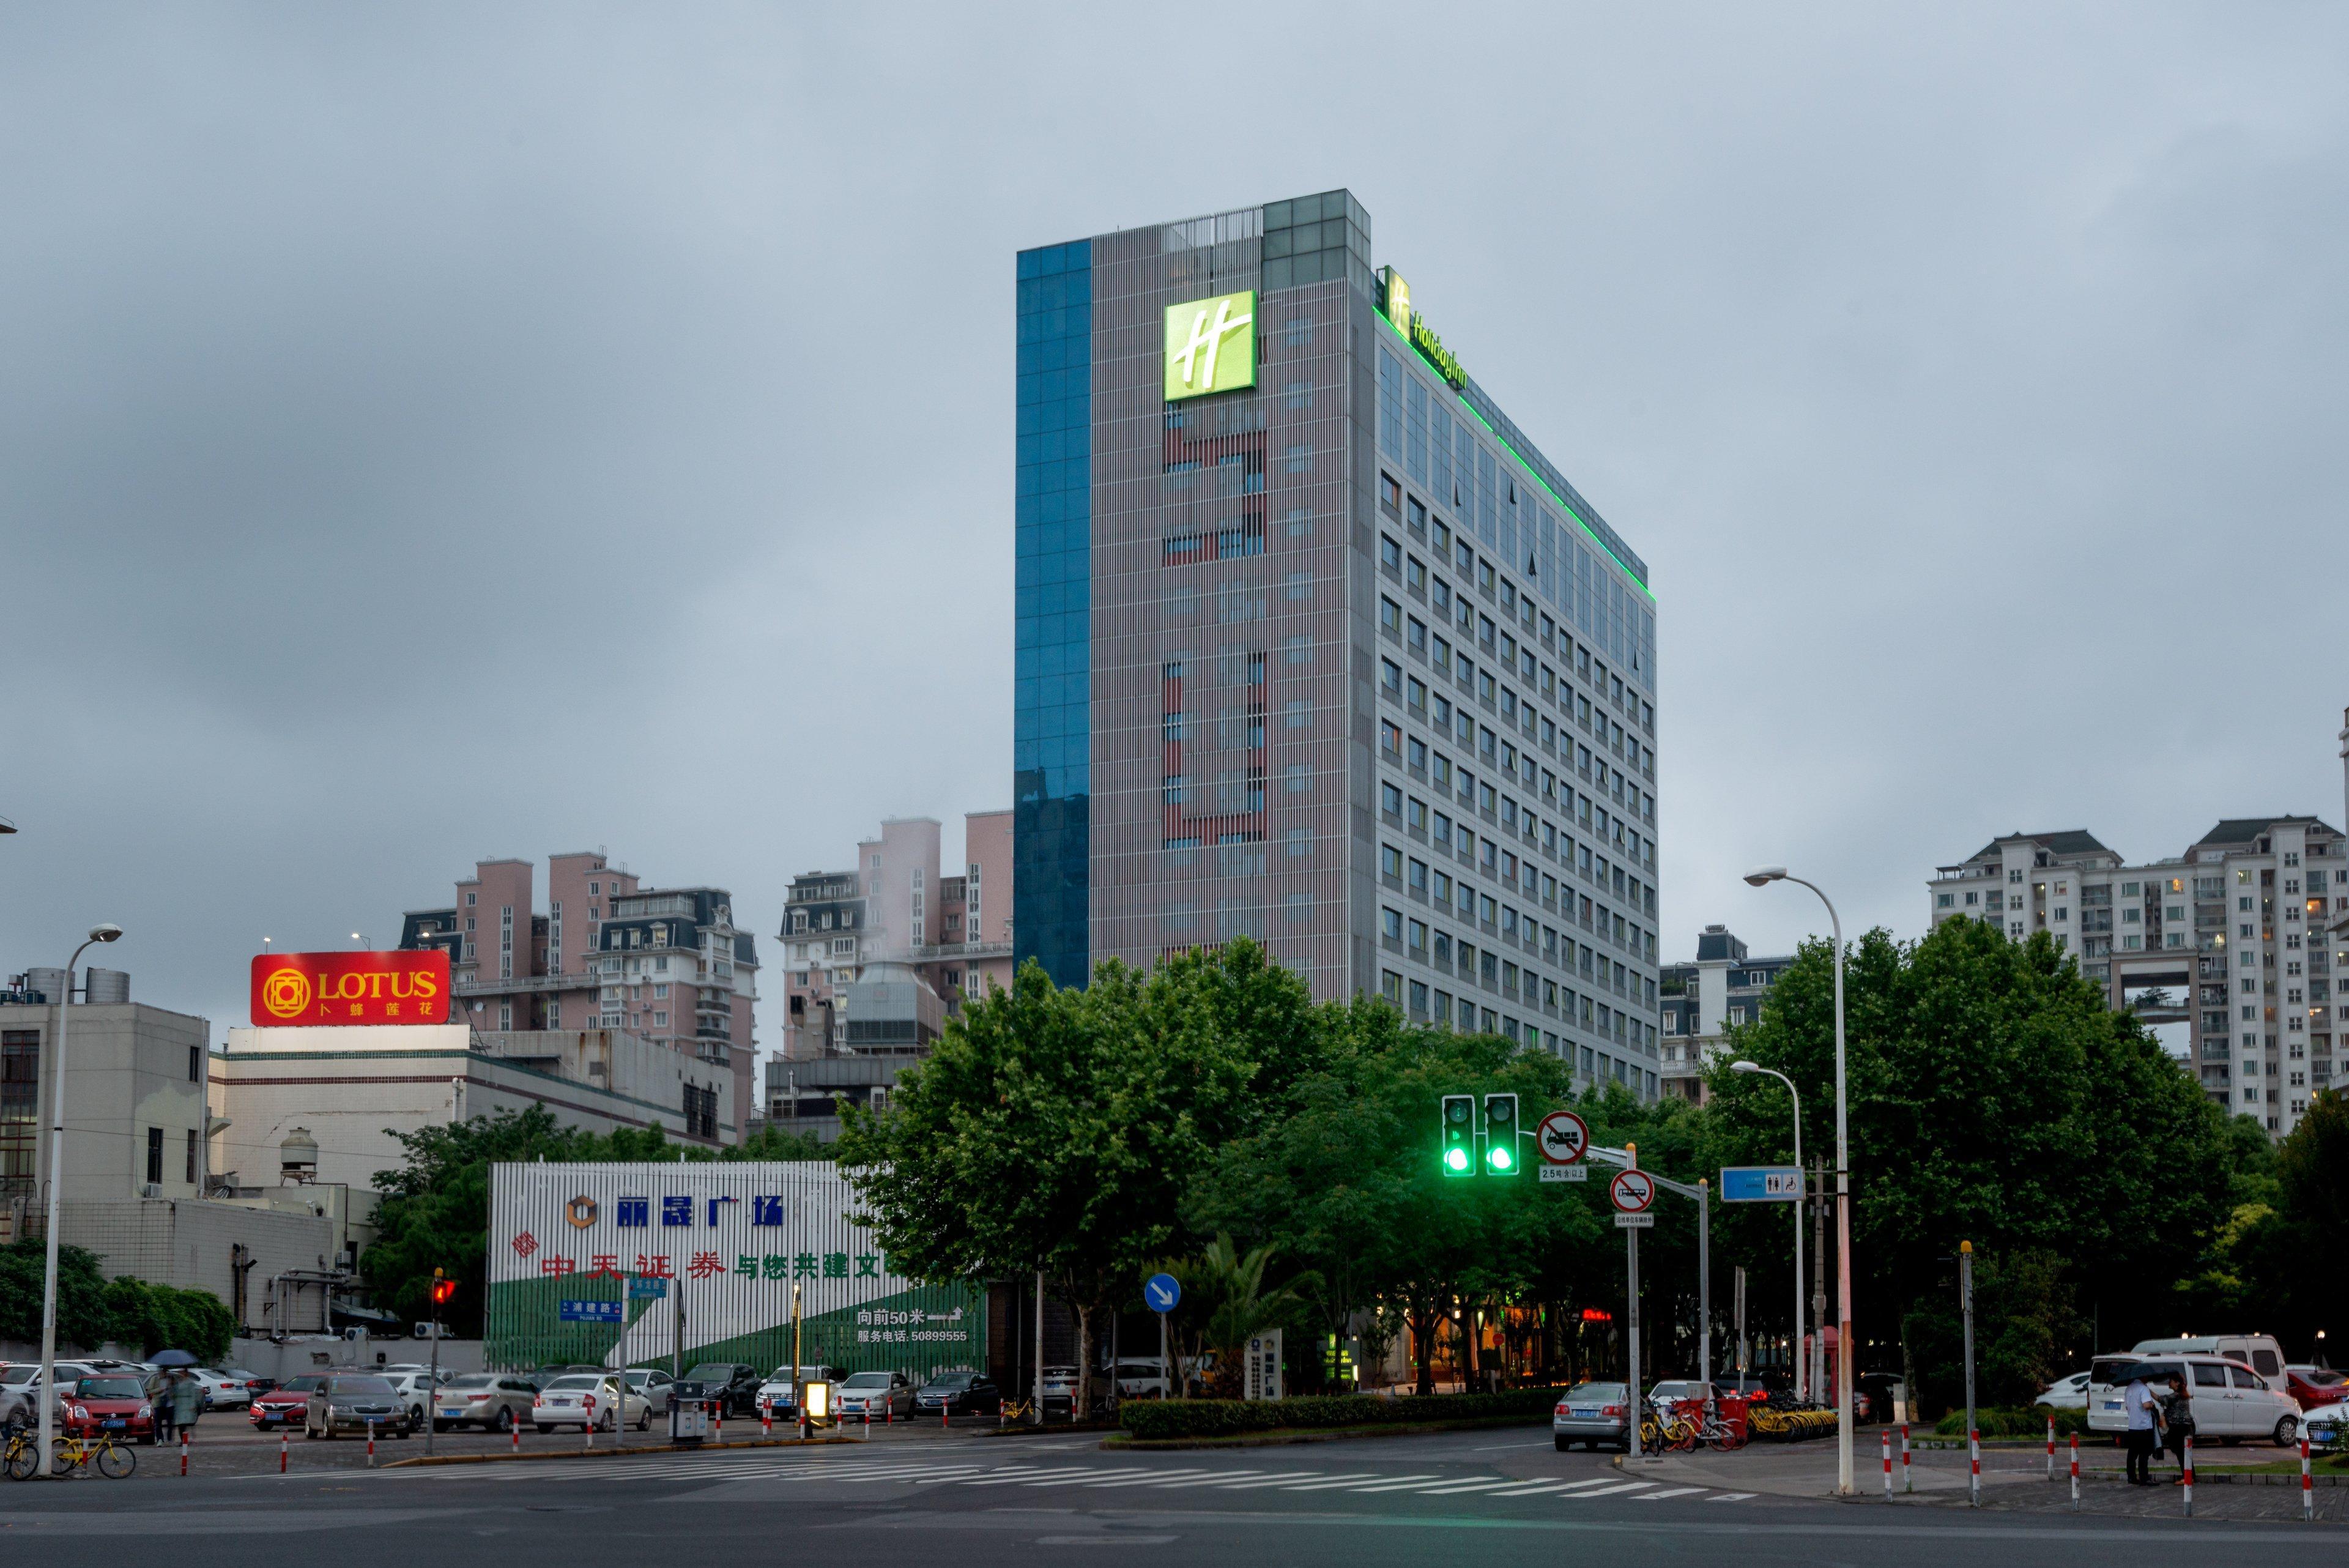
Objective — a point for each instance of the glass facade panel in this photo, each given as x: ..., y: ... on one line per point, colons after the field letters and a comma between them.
x: 1051, y: 664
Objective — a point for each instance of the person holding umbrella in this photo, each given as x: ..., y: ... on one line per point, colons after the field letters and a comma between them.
x: 178, y: 1398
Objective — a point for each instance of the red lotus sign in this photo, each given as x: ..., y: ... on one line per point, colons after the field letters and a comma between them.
x: 351, y: 988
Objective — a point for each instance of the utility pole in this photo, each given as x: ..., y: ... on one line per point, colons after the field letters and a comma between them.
x: 1739, y: 1295
x: 1819, y: 1287
x: 1636, y: 1407
x: 1038, y: 1386
x: 1966, y: 1310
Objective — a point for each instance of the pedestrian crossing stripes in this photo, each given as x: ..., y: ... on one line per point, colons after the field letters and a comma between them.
x: 883, y: 1471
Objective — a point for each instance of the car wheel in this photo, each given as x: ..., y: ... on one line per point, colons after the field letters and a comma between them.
x: 645, y: 1420
x: 505, y: 1421
x: 1560, y: 1444
x: 542, y: 1427
x: 2287, y: 1431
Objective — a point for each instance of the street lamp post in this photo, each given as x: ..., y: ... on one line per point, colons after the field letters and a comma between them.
x: 57, y: 1173
x: 1759, y: 878
x: 1792, y: 1094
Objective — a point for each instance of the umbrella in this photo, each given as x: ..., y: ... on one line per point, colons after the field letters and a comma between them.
x: 172, y: 1358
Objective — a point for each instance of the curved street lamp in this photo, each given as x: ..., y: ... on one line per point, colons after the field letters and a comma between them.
x: 101, y: 933
x: 1761, y: 877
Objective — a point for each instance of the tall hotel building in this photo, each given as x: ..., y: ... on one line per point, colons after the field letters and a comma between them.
x: 1315, y: 645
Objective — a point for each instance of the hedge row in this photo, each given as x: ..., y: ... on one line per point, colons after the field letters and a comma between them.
x: 1158, y: 1419
x: 1998, y: 1423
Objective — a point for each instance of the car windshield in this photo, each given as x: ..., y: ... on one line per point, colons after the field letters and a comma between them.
x: 868, y: 1380
x: 358, y: 1386
x: 1589, y: 1391
x: 109, y: 1388
x: 18, y: 1373
x: 722, y: 1372
x: 1677, y: 1391
x: 577, y: 1380
x: 475, y: 1380
x: 2322, y: 1376
x: 299, y: 1385
x: 953, y: 1379
x: 2109, y: 1369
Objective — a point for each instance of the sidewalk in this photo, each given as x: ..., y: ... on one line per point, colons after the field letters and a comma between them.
x: 2012, y: 1480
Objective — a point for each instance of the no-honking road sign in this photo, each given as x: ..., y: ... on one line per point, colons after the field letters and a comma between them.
x: 1563, y: 1137
x: 1632, y: 1192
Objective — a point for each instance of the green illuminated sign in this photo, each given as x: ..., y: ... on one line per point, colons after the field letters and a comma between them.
x: 1395, y: 302
x: 1210, y: 346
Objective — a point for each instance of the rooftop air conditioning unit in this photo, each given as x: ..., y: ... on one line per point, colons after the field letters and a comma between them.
x: 149, y: 1189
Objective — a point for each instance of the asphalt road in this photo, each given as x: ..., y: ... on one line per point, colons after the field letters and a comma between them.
x: 1499, y: 1496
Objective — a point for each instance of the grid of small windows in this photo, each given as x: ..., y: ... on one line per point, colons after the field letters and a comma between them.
x: 1525, y: 822
x: 1051, y: 733
x: 1315, y: 239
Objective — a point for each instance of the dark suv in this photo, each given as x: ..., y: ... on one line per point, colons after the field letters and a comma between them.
x: 734, y: 1385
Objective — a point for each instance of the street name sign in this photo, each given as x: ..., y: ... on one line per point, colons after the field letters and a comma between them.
x: 1635, y: 1221
x: 1161, y: 1293
x: 1564, y: 1140
x: 1632, y: 1192
x: 644, y: 1290
x: 1762, y: 1184
x: 591, y: 1311
x: 1565, y: 1173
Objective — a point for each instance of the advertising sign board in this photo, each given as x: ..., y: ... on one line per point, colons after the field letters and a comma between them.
x: 311, y: 989
x: 1210, y: 346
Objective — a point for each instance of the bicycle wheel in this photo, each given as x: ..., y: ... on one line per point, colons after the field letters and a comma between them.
x: 23, y: 1460
x: 115, y: 1461
x: 64, y: 1460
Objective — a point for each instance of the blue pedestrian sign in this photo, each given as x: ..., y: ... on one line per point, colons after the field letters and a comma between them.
x: 644, y: 1290
x: 590, y: 1311
x: 1762, y: 1184
x: 1160, y: 1292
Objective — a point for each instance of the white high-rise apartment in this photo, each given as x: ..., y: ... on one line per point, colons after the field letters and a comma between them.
x: 2233, y: 945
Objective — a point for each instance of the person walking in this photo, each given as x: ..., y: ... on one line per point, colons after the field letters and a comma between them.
x: 187, y: 1396
x: 2143, y: 1412
x: 2177, y: 1420
x: 159, y: 1396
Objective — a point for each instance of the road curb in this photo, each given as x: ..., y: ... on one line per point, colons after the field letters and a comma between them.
x: 1324, y: 1433
x: 541, y: 1454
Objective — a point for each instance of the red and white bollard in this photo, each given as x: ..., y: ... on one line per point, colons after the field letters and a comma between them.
x: 2076, y: 1470
x: 2307, y: 1486
x: 1886, y: 1444
x: 718, y: 1422
x: 283, y: 1433
x: 517, y: 1430
x: 766, y: 1420
x: 183, y: 1450
x: 868, y: 1420
x: 1908, y: 1482
x: 2186, y: 1482
x: 1973, y: 1478
x: 2051, y: 1445
x: 370, y: 1444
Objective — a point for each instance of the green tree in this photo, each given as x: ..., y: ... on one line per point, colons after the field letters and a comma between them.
x: 93, y: 1310
x: 1054, y: 1131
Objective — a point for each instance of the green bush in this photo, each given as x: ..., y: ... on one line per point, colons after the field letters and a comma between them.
x: 2011, y: 1423
x: 1159, y: 1419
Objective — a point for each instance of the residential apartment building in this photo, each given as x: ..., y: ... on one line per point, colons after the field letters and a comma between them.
x: 663, y: 964
x: 2227, y: 950
x: 1722, y: 989
x: 1315, y: 645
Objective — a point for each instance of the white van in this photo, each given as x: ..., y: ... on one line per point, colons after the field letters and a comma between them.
x: 2231, y: 1402
x: 2259, y: 1352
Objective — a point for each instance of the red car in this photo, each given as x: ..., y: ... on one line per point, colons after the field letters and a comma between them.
x: 282, y: 1406
x: 2313, y: 1386
x: 114, y: 1405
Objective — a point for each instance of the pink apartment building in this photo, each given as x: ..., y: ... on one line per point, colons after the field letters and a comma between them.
x: 897, y: 906
x: 666, y: 964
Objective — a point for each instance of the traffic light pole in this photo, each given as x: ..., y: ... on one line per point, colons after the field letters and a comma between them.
x: 1635, y: 1408
x: 432, y: 1383
x: 1701, y: 1195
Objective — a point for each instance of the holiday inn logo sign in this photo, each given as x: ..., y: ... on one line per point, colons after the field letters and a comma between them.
x: 1395, y: 303
x: 1210, y: 346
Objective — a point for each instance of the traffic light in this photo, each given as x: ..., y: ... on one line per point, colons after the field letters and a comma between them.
x: 442, y: 1291
x: 1459, y: 1134
x: 1501, y: 1134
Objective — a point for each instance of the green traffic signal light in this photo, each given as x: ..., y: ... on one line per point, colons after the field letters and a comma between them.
x: 1500, y: 1134
x: 1459, y: 1129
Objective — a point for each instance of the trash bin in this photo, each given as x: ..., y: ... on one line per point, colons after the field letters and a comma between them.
x: 689, y: 1411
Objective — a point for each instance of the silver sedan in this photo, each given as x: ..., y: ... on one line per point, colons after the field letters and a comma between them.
x: 1592, y: 1413
x: 494, y: 1401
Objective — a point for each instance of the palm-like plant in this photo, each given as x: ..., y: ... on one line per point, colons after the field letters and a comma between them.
x: 1226, y: 1304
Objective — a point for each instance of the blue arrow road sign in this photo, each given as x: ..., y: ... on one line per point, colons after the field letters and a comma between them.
x: 590, y: 1311
x: 1160, y: 1292
x: 1762, y: 1184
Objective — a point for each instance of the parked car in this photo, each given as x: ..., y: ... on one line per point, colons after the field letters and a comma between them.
x: 117, y: 1405
x: 654, y: 1385
x: 889, y: 1395
x: 733, y: 1384
x: 351, y: 1402
x: 2259, y: 1352
x: 2231, y: 1402
x: 779, y: 1393
x: 222, y: 1391
x: 2326, y: 1427
x: 282, y: 1406
x: 601, y: 1402
x: 1592, y: 1413
x: 2066, y: 1393
x: 494, y: 1401
x: 416, y: 1390
x: 2314, y: 1387
x: 958, y: 1394
x: 1060, y: 1390
x: 20, y: 1388
x: 1684, y: 1392
x: 1141, y: 1379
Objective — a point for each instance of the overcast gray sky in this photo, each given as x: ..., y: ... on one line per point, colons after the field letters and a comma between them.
x: 438, y: 432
